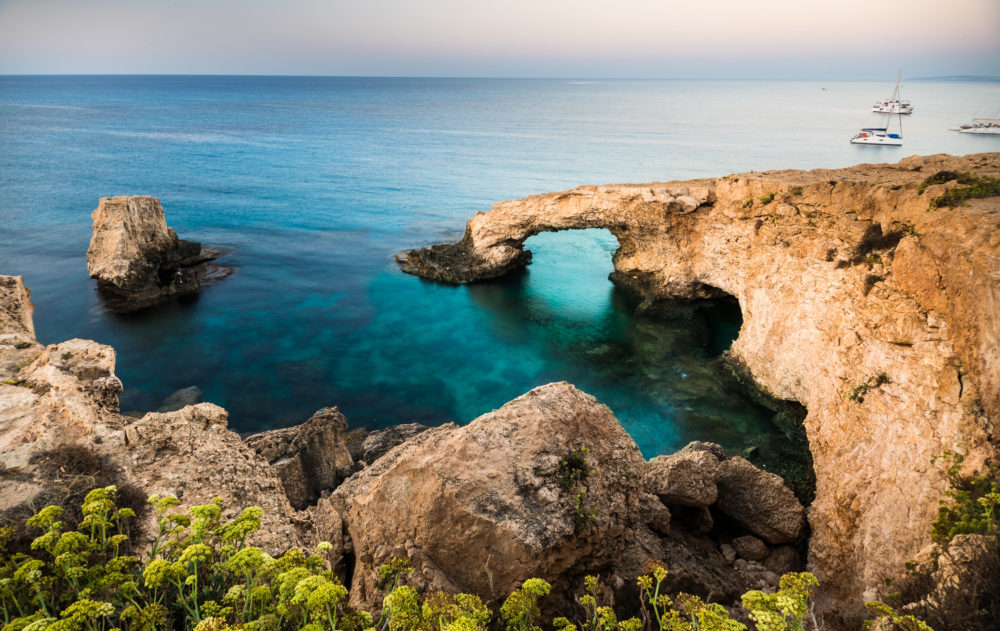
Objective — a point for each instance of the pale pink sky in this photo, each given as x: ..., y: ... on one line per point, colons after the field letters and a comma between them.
x: 834, y: 39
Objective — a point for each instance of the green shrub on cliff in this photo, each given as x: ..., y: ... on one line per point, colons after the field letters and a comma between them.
x: 972, y: 504
x: 970, y: 186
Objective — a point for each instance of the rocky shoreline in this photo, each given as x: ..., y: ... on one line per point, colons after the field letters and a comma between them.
x: 842, y: 276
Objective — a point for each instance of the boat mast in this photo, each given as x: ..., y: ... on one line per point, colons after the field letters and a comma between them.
x: 892, y: 104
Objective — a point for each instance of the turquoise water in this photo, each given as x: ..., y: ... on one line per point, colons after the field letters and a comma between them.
x: 314, y: 183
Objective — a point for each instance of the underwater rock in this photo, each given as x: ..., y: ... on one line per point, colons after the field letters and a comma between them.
x: 182, y: 398
x: 842, y: 276
x: 138, y: 260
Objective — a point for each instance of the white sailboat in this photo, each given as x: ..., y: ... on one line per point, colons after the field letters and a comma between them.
x: 882, y: 135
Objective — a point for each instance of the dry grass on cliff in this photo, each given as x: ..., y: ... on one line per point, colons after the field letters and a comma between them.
x: 69, y: 472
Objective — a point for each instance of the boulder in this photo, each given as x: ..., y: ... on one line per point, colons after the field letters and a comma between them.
x: 311, y: 459
x: 479, y: 508
x: 379, y: 442
x: 750, y: 548
x: 686, y: 477
x: 138, y: 260
x: 192, y: 455
x: 782, y: 560
x: 759, y: 501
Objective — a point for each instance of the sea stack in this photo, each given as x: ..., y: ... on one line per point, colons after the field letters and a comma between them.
x: 138, y: 260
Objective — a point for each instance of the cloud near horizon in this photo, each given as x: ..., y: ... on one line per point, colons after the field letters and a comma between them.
x: 848, y: 39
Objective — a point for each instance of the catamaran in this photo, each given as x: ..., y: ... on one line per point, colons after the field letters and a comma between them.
x: 896, y: 106
x: 980, y: 126
x: 882, y: 135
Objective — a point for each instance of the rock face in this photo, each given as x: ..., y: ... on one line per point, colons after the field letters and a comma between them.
x: 310, y: 459
x: 479, y: 508
x: 379, y: 442
x: 138, y: 260
x: 879, y: 316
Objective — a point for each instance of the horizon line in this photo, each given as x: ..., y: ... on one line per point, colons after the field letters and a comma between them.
x: 985, y: 78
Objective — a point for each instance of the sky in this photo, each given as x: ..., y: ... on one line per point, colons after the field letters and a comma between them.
x: 720, y: 39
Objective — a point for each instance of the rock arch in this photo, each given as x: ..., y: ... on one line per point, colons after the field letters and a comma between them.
x: 827, y: 308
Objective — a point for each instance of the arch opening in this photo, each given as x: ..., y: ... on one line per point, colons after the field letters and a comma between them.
x: 661, y: 366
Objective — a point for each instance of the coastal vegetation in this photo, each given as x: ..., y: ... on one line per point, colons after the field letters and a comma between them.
x: 970, y: 186
x: 81, y: 571
x: 858, y: 392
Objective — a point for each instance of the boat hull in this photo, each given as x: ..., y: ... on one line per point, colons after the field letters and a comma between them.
x: 993, y: 131
x: 893, y: 110
x: 877, y: 140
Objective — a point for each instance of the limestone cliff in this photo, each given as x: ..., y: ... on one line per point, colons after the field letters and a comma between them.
x: 138, y: 260
x: 879, y: 314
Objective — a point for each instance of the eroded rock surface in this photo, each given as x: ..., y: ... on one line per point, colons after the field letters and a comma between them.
x: 138, y: 260
x: 379, y: 442
x: 310, y: 459
x: 479, y: 508
x: 686, y: 477
x: 842, y: 276
x: 759, y: 500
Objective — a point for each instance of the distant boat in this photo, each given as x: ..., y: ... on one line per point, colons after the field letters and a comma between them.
x: 893, y: 107
x: 882, y: 135
x: 979, y: 126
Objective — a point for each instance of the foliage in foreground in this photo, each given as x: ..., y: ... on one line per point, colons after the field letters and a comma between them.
x: 200, y: 574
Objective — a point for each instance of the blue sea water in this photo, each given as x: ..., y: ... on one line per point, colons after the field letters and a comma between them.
x: 313, y: 184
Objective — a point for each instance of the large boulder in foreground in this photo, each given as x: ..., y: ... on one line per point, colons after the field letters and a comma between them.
x: 138, y: 260
x: 310, y: 459
x: 479, y: 508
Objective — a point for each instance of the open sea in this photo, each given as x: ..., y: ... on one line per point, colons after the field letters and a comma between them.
x: 312, y: 184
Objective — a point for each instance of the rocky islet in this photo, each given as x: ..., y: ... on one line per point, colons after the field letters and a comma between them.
x: 138, y: 260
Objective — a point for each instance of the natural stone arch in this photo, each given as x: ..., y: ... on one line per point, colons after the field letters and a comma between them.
x: 493, y: 244
x: 826, y: 308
